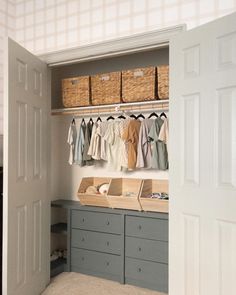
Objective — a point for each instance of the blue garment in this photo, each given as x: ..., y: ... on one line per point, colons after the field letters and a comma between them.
x: 79, y: 146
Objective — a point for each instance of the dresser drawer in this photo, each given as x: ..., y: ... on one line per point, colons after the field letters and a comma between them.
x: 145, y: 273
x: 108, y: 243
x: 149, y: 228
x: 95, y: 262
x: 146, y: 249
x: 95, y: 221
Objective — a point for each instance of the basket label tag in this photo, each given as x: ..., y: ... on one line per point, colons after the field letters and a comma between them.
x: 138, y: 74
x: 74, y: 82
x: 105, y: 78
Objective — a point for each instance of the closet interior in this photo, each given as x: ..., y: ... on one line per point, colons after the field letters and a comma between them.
x: 75, y: 226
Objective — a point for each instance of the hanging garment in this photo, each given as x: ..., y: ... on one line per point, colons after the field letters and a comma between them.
x: 101, y: 130
x: 159, y: 150
x: 164, y: 133
x: 123, y: 125
x: 114, y: 145
x: 79, y: 147
x: 144, y: 158
x: 131, y: 135
x: 95, y: 143
x: 71, y: 140
x: 87, y: 138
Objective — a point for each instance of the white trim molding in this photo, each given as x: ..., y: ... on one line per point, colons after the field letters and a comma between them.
x: 114, y: 47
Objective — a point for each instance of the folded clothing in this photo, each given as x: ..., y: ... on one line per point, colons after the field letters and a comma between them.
x: 162, y: 196
x: 59, y: 253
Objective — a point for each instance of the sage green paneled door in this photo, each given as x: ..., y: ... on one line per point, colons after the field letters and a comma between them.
x: 26, y: 179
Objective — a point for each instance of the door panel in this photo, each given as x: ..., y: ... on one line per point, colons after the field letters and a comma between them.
x: 203, y: 160
x: 26, y: 178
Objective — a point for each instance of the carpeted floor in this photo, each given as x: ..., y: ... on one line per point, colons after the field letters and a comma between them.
x: 78, y: 284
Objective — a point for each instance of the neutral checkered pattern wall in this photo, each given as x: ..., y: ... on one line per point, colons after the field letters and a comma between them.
x: 7, y: 28
x: 47, y: 25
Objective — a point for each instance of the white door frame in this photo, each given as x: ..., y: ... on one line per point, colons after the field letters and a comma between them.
x: 116, y: 47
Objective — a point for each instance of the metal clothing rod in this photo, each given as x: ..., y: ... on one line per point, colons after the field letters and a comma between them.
x: 119, y: 112
x: 115, y: 106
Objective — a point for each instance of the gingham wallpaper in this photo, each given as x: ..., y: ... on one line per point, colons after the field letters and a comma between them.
x: 48, y: 25
x: 7, y: 27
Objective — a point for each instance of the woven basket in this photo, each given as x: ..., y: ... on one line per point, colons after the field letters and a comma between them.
x: 138, y: 84
x: 163, y: 82
x: 76, y: 92
x: 106, y: 88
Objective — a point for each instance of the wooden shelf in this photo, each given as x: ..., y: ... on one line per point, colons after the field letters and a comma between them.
x: 59, y: 228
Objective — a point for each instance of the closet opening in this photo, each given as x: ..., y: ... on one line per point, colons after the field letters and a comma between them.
x: 67, y: 179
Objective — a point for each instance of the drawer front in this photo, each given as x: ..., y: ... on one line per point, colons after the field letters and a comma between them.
x: 95, y: 262
x: 146, y: 249
x: 149, y: 228
x: 155, y: 274
x: 108, y: 243
x: 95, y: 221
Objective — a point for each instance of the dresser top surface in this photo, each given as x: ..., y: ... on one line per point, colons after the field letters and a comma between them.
x: 70, y: 204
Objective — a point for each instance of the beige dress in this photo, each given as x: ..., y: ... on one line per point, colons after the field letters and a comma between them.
x: 144, y: 158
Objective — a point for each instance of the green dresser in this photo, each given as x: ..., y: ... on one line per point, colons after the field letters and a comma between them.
x: 122, y: 245
x: 146, y: 252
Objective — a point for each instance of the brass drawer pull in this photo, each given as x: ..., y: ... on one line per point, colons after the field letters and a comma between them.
x: 139, y: 269
x: 108, y: 222
x: 108, y: 243
x: 139, y: 249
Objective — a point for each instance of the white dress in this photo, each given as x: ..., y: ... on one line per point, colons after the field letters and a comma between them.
x: 71, y: 140
x: 95, y: 143
x: 114, y: 146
